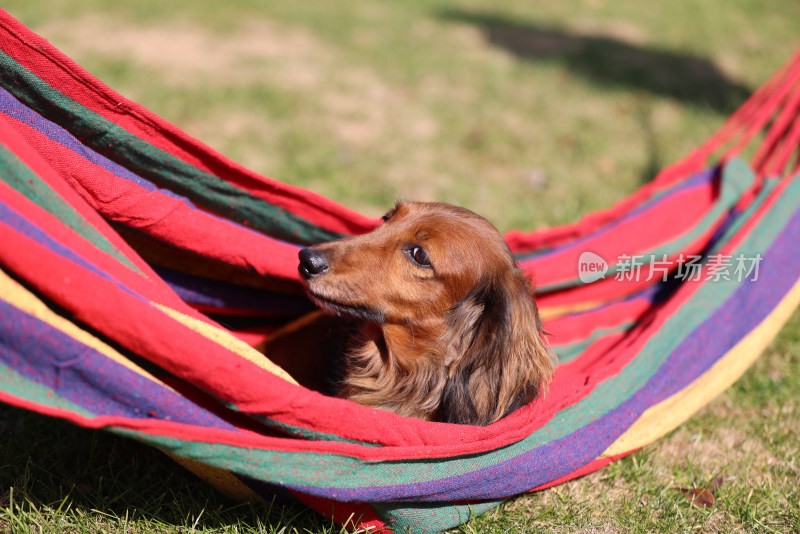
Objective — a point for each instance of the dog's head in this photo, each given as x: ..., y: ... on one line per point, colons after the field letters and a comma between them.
x: 418, y: 264
x: 441, y: 284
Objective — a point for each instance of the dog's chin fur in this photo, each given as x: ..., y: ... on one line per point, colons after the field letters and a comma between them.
x: 356, y: 311
x: 380, y: 377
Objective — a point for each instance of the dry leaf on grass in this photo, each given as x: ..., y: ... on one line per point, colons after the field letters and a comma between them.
x: 703, y: 497
x: 699, y: 497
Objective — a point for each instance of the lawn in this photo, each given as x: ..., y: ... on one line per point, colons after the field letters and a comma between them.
x: 530, y: 114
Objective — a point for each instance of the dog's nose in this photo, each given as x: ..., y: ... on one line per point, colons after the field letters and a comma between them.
x: 312, y: 263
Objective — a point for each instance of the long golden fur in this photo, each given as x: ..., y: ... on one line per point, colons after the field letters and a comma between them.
x: 448, y: 327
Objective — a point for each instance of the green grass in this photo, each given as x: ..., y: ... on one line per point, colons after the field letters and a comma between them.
x: 55, y: 477
x: 571, y: 105
x: 531, y: 115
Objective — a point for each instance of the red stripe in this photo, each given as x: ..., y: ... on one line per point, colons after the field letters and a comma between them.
x: 574, y: 328
x: 787, y: 134
x: 522, y: 242
x: 642, y: 233
x: 610, y: 288
x: 32, y: 158
x: 764, y: 113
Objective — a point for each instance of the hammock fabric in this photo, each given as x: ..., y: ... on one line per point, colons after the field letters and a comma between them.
x: 125, y: 244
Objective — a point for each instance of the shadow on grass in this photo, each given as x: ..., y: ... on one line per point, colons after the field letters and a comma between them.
x: 612, y: 62
x: 51, y: 464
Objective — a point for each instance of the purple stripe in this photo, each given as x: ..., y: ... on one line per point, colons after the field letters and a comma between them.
x: 86, y: 377
x: 223, y: 296
x: 15, y: 109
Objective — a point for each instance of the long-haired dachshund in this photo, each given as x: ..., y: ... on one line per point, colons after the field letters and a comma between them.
x: 448, y: 327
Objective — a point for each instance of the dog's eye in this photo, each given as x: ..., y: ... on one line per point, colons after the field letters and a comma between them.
x: 420, y: 256
x: 388, y: 216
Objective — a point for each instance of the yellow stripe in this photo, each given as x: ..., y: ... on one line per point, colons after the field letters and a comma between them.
x: 662, y: 418
x: 551, y: 312
x: 19, y: 297
x: 227, y: 340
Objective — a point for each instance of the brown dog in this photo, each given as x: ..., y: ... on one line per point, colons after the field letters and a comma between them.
x: 448, y: 327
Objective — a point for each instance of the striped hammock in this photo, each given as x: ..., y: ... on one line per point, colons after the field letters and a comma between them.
x: 125, y: 245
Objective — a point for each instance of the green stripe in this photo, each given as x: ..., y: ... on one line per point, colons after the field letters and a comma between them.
x: 15, y: 173
x: 324, y: 470
x: 339, y: 471
x: 736, y: 225
x: 154, y: 164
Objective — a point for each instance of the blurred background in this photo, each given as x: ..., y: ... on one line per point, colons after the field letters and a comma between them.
x: 530, y: 113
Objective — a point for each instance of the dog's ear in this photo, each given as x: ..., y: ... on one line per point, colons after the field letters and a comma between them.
x: 498, y: 360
